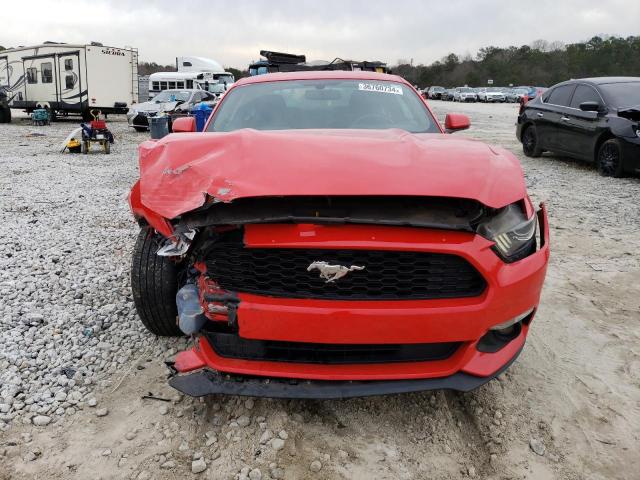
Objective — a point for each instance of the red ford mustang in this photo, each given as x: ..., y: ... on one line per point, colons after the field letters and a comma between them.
x: 326, y: 238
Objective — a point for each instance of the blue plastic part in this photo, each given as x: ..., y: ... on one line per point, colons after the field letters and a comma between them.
x: 201, y: 111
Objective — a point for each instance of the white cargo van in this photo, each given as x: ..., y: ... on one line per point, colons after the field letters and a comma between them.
x: 68, y: 78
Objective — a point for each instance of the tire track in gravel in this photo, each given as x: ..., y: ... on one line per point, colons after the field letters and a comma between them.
x: 470, y: 436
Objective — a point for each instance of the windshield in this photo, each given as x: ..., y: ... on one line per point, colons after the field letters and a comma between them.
x: 321, y: 104
x: 620, y: 95
x: 172, y: 96
x: 466, y: 89
x: 224, y: 78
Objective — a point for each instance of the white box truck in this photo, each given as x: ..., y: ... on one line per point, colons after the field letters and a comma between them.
x: 68, y: 78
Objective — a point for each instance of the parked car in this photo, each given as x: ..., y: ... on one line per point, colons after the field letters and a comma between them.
x: 448, y: 94
x: 435, y: 93
x: 494, y: 94
x: 167, y: 101
x: 516, y: 95
x: 465, y: 94
x: 593, y: 119
x: 532, y: 93
x: 398, y: 259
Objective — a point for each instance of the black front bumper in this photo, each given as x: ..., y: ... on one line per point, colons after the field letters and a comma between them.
x: 208, y: 382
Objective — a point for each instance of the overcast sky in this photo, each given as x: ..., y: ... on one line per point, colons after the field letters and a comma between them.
x: 233, y: 32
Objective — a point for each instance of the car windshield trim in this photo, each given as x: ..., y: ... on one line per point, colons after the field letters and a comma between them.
x: 324, y: 104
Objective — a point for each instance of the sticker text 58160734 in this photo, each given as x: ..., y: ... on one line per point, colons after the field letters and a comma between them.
x: 380, y: 88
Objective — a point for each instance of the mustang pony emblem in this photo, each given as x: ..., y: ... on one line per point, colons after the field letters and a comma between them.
x: 331, y: 273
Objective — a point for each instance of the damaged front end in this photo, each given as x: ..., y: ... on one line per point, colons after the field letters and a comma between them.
x: 349, y: 263
x: 266, y: 324
x: 209, y: 242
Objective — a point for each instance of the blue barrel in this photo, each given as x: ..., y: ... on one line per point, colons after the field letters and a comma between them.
x: 201, y: 111
x: 159, y: 126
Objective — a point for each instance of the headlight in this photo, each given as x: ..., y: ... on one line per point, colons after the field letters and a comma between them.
x: 512, y: 232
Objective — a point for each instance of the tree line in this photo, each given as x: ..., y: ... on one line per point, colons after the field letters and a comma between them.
x: 542, y: 64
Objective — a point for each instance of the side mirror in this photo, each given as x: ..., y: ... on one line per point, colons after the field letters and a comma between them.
x: 590, y: 106
x: 184, y: 124
x: 454, y: 122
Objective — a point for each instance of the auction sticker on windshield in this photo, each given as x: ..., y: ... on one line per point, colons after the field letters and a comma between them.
x: 380, y: 88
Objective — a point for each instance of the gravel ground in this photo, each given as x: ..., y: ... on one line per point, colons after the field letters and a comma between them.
x: 75, y: 361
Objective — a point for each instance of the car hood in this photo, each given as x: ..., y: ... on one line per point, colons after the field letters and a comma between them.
x: 177, y: 172
x: 149, y: 107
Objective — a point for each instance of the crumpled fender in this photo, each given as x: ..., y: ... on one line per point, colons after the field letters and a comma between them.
x: 159, y: 223
x: 179, y: 171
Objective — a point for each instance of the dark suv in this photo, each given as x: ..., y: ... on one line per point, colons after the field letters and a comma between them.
x: 593, y: 119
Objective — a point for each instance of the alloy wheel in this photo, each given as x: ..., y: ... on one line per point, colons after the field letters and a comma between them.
x: 529, y: 141
x: 609, y: 160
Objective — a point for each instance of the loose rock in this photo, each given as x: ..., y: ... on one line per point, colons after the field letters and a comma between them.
x: 255, y: 474
x: 198, y: 466
x: 243, y: 421
x: 41, y: 420
x: 266, y: 436
x: 537, y: 446
x: 277, y: 444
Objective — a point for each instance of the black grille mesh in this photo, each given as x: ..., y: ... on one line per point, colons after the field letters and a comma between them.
x: 232, y: 346
x: 388, y: 275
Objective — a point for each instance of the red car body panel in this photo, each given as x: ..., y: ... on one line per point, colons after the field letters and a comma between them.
x: 183, y: 172
x: 512, y: 289
x: 177, y: 172
x: 467, y: 359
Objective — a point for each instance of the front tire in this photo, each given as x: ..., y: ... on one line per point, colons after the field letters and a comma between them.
x: 610, y: 159
x: 154, y: 285
x: 530, y: 142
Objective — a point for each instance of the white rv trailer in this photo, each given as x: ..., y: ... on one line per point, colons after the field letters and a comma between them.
x: 70, y: 78
x: 193, y: 72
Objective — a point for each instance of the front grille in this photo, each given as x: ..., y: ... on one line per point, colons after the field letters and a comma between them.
x: 232, y: 346
x: 387, y: 275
